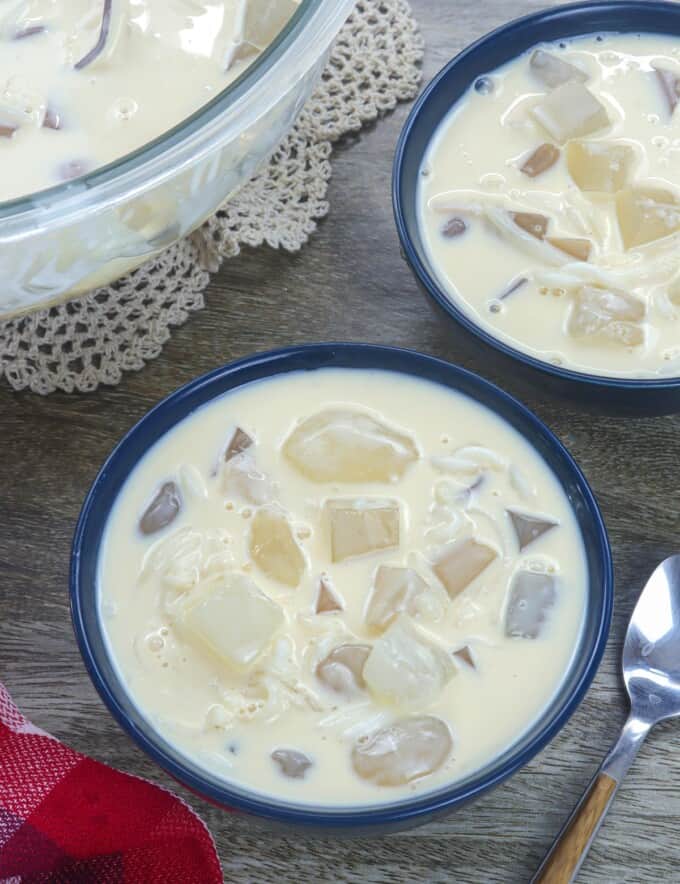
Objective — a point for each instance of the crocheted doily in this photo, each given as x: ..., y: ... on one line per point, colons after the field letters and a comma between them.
x: 83, y: 343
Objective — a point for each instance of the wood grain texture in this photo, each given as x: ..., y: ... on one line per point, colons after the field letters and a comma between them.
x: 567, y: 852
x: 348, y: 283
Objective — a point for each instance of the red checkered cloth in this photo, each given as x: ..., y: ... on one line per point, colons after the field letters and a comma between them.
x: 65, y: 819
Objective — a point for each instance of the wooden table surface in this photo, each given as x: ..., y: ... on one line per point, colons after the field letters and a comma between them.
x: 348, y: 283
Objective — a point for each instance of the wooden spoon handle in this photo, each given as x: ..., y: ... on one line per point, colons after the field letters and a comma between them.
x: 572, y: 844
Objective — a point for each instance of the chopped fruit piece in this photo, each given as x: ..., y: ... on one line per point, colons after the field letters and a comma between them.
x: 362, y: 526
x: 532, y: 597
x: 233, y: 618
x: 342, y: 670
x: 645, y: 215
x: 162, y: 510
x: 404, y: 751
x: 264, y: 19
x: 464, y: 654
x: 571, y: 111
x: 52, y: 119
x: 238, y: 443
x: 669, y: 82
x: 543, y: 158
x: 394, y: 591
x: 405, y: 667
x: 292, y: 763
x: 327, y: 600
x: 576, y: 248
x: 598, y: 166
x: 554, y: 71
x: 461, y: 562
x: 607, y: 314
x: 349, y: 446
x: 454, y: 227
x: 529, y: 528
x: 273, y: 547
x: 242, y: 479
x: 532, y: 223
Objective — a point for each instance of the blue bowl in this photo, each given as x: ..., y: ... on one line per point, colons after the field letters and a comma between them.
x: 624, y: 396
x: 93, y: 518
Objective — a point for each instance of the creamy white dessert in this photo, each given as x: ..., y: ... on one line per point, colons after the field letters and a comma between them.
x: 342, y: 587
x: 83, y: 83
x: 550, y: 204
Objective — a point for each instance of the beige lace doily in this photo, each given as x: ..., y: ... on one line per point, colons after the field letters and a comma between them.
x: 81, y: 344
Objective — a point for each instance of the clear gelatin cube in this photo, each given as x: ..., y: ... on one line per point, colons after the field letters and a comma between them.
x: 579, y: 249
x: 532, y: 598
x: 242, y: 479
x: 403, y: 751
x: 600, y: 166
x: 395, y: 589
x: 343, y: 669
x: 462, y: 562
x: 529, y: 528
x: 607, y: 315
x: 341, y: 445
x: 646, y: 215
x: 274, y: 549
x: 540, y: 160
x: 363, y: 525
x: 571, y: 111
x: 405, y: 667
x: 233, y: 618
x: 553, y: 71
x: 292, y: 763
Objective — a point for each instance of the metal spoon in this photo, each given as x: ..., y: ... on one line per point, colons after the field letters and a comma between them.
x: 651, y: 671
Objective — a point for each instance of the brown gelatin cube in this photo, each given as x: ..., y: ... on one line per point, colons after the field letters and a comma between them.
x: 532, y: 597
x: 238, y: 443
x: 342, y: 670
x: 362, y: 526
x: 292, y: 763
x: 273, y: 547
x: 607, y: 314
x: 461, y: 563
x: 52, y: 119
x: 600, y: 167
x: 404, y: 751
x: 646, y: 215
x: 571, y: 111
x: 531, y: 223
x: 543, y: 158
x: 464, y: 654
x: 162, y: 510
x: 341, y: 445
x: 575, y: 248
x: 529, y: 528
x: 327, y: 600
x: 394, y: 591
x: 669, y: 83
x: 553, y: 71
x: 454, y: 227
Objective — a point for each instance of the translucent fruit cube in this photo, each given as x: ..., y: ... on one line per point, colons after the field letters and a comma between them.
x: 461, y: 563
x: 233, y: 618
x: 607, y: 315
x: 343, y: 669
x: 363, y: 525
x: 600, y: 166
x: 553, y: 71
x: 395, y: 590
x: 529, y: 528
x: 162, y: 510
x: 540, y: 160
x: 405, y: 667
x: 341, y: 445
x: 327, y: 599
x: 532, y: 598
x: 571, y: 111
x: 274, y: 549
x: 292, y: 763
x: 242, y: 479
x: 404, y: 751
x: 579, y: 249
x: 646, y: 215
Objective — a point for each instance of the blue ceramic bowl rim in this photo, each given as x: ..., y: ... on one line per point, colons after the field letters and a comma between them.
x: 428, y: 280
x: 324, y: 355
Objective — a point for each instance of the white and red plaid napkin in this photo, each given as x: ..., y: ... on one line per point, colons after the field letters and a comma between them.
x: 66, y: 819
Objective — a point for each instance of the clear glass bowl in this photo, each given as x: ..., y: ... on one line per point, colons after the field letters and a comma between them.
x: 67, y: 240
